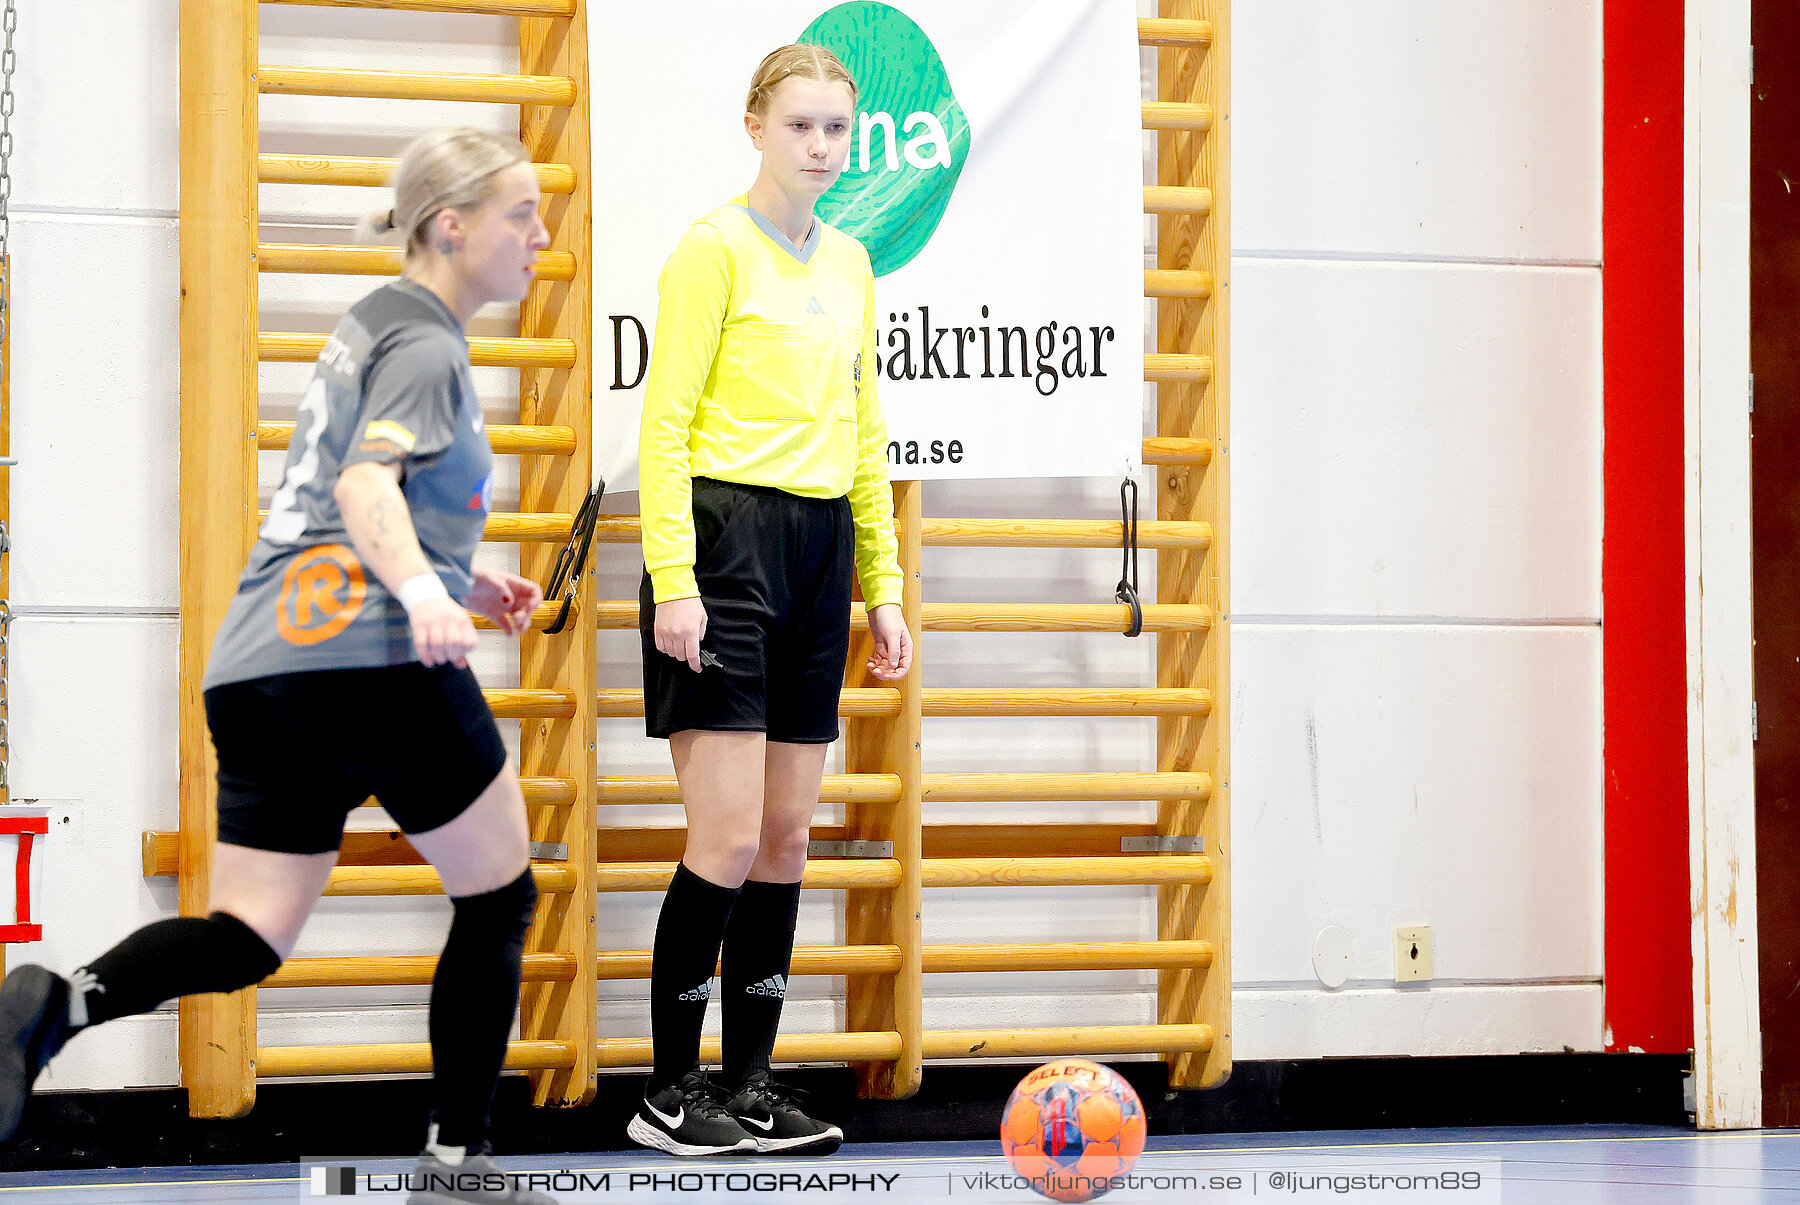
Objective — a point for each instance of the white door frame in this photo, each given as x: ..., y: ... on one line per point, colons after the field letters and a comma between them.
x: 1721, y: 768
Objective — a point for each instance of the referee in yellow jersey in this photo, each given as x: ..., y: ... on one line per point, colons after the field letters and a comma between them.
x: 763, y: 485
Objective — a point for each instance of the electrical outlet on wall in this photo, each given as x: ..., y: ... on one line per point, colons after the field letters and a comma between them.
x: 1412, y: 953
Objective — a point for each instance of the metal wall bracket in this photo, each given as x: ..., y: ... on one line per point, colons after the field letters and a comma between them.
x: 550, y: 851
x: 1162, y: 845
x: 850, y: 849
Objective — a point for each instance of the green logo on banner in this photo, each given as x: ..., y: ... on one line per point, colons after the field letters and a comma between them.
x: 911, y: 138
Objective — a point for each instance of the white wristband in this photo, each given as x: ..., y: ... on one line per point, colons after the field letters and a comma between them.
x: 415, y: 590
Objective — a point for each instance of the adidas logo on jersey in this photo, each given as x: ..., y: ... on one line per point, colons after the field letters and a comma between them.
x: 813, y: 307
x: 703, y: 992
x: 774, y: 985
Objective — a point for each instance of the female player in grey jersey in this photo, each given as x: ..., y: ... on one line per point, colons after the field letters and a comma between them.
x: 340, y: 671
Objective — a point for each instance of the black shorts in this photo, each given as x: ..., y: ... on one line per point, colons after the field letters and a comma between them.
x: 774, y: 572
x: 298, y: 751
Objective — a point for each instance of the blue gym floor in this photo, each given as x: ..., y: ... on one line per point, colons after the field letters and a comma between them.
x: 1564, y: 1165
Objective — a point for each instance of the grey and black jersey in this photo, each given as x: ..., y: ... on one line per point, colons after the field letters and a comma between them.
x: 392, y: 386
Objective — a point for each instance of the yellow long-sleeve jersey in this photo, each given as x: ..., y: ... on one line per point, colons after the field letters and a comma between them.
x: 763, y: 373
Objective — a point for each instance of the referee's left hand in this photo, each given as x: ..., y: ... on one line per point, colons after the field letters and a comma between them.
x: 893, y: 643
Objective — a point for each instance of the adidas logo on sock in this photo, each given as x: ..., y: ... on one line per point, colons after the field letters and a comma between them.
x: 774, y: 985
x: 703, y: 992
x: 813, y: 307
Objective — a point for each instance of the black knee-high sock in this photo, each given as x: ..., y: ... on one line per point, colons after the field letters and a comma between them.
x: 181, y: 956
x: 688, y: 933
x: 473, y: 997
x: 759, y: 949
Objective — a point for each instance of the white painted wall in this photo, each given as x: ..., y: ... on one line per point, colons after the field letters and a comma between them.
x: 1417, y: 521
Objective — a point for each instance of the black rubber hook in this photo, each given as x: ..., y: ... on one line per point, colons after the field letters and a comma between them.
x: 1128, y: 579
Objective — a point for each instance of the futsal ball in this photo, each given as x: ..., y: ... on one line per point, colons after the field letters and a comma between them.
x: 1070, y: 1127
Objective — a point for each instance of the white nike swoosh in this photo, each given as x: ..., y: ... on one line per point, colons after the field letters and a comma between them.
x: 765, y: 1126
x: 672, y: 1122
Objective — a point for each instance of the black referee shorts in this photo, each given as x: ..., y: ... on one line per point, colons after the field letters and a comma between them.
x: 774, y: 572
x: 298, y: 751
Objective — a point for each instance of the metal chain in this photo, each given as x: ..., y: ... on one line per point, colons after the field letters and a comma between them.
x: 8, y: 60
x: 6, y: 618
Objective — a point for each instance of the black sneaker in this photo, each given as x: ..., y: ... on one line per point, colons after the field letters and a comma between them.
x: 768, y: 1114
x: 34, y: 1024
x: 470, y: 1182
x: 688, y: 1119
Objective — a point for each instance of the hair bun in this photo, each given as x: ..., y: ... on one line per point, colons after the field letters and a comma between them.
x: 376, y: 226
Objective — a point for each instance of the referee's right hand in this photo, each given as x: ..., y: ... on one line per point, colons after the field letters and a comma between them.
x: 441, y: 631
x: 680, y: 627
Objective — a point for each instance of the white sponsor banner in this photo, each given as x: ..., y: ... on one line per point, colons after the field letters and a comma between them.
x: 995, y: 175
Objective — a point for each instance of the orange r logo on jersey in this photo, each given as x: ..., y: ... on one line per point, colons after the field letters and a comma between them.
x: 321, y: 593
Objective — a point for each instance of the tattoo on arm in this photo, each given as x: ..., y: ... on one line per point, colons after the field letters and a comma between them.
x: 379, y: 513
